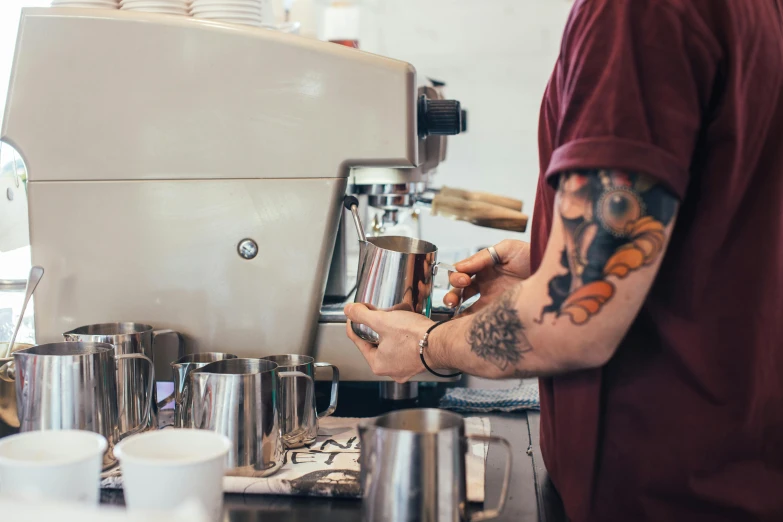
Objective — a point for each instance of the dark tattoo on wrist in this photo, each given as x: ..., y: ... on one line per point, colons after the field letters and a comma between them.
x: 614, y: 224
x: 497, y: 334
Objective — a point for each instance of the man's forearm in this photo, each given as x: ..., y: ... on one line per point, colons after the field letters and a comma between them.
x: 513, y: 338
x: 495, y: 343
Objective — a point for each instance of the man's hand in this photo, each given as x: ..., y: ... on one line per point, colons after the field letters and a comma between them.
x: 397, y: 355
x: 490, y: 280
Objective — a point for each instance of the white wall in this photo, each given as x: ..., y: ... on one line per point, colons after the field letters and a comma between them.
x: 496, y: 57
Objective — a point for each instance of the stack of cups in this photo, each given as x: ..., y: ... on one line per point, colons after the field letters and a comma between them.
x: 174, y: 7
x: 246, y: 12
x: 98, y: 4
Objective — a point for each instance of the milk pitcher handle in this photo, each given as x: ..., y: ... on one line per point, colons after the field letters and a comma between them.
x: 437, y: 267
x: 180, y: 353
x: 150, y: 387
x: 6, y: 369
x: 487, y: 514
x: 309, y: 392
x: 335, y: 383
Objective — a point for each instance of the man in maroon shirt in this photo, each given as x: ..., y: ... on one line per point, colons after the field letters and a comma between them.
x: 650, y: 298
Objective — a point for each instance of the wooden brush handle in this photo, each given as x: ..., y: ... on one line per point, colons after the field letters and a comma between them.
x: 479, y: 213
x: 485, y: 197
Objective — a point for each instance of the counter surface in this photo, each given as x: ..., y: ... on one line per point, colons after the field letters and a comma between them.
x: 520, y: 429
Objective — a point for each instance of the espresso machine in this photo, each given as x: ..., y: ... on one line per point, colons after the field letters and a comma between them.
x: 189, y: 174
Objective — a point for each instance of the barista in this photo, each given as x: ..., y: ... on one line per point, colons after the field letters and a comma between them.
x: 649, y: 300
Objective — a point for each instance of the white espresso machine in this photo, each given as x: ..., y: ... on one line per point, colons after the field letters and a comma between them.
x: 190, y: 174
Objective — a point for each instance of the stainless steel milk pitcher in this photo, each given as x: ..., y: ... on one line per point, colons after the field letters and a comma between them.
x: 413, y: 467
x: 395, y: 273
x: 239, y: 398
x: 72, y: 386
x: 129, y: 338
x: 181, y: 369
x: 298, y: 414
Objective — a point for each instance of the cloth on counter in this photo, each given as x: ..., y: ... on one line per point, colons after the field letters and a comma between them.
x: 330, y: 466
x: 521, y: 397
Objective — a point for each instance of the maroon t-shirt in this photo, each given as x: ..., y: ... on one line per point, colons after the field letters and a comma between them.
x: 685, y: 423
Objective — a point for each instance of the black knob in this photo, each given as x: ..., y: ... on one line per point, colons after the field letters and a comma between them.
x: 439, y: 117
x: 350, y: 201
x: 464, y: 120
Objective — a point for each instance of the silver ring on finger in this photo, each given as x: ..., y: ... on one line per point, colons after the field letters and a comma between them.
x: 494, y: 254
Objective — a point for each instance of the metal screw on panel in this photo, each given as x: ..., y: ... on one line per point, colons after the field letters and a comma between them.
x: 247, y: 248
x: 9, y: 194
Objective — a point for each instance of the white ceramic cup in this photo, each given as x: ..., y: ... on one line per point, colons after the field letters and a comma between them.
x: 164, y: 469
x: 87, y: 5
x: 180, y: 6
x: 57, y: 465
x: 176, y: 8
x: 111, y: 4
x: 251, y: 3
x: 255, y: 11
x: 158, y: 10
x: 242, y: 4
x: 229, y: 17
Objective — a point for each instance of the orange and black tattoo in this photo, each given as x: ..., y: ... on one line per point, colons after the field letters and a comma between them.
x: 614, y: 224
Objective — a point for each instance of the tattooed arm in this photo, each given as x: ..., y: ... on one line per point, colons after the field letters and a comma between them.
x: 610, y: 231
x: 608, y: 238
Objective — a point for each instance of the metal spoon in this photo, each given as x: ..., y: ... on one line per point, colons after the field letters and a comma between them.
x: 36, y: 273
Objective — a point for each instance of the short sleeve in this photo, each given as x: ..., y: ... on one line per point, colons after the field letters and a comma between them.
x: 634, y: 84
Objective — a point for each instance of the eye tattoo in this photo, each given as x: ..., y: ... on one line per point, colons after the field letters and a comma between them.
x: 614, y: 224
